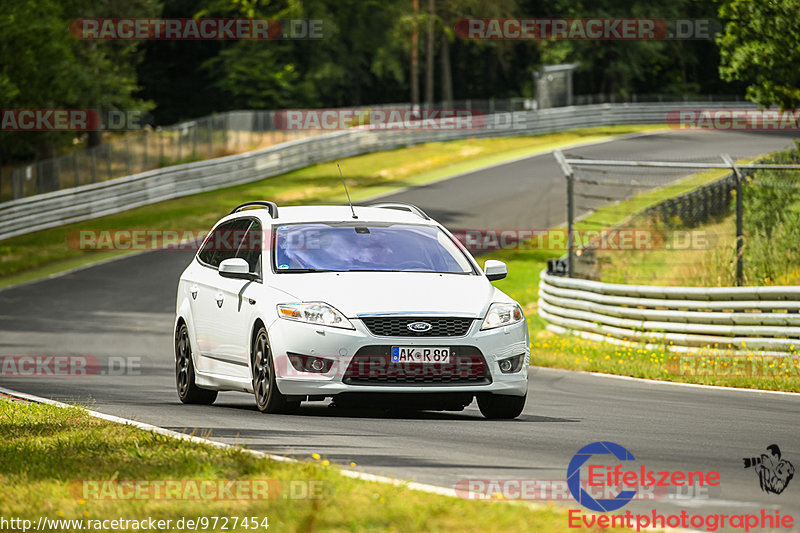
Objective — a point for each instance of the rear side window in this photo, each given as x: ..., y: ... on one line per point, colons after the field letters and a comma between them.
x: 224, y: 242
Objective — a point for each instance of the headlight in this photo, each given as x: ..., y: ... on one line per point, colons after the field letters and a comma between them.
x: 314, y: 313
x: 501, y: 314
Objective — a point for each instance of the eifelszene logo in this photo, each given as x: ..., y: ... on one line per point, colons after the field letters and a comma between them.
x: 574, y: 477
x: 774, y: 473
x: 619, y: 483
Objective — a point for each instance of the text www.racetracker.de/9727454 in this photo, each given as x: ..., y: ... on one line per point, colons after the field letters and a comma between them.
x: 202, y: 523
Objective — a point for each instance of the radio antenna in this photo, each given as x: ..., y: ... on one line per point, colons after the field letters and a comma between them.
x: 345, y: 190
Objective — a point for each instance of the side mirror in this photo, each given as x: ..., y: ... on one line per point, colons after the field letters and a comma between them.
x: 495, y: 270
x: 237, y: 268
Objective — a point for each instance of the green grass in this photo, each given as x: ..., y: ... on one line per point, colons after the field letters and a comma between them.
x: 45, y: 252
x: 694, y: 257
x: 619, y: 212
x: 48, y: 453
x: 723, y: 368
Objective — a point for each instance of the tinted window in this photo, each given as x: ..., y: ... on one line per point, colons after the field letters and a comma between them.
x: 251, y: 247
x: 352, y: 247
x: 224, y: 241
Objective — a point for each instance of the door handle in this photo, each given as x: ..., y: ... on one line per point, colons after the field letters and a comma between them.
x: 193, y: 292
x: 219, y: 299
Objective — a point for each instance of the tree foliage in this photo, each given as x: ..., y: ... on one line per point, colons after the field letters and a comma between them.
x: 365, y: 55
x: 44, y: 66
x: 761, y: 46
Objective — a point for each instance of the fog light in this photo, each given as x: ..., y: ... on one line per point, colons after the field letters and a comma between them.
x: 309, y: 363
x: 510, y: 365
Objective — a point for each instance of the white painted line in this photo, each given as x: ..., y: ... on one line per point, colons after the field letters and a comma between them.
x: 433, y: 489
x: 669, y: 383
x: 78, y: 268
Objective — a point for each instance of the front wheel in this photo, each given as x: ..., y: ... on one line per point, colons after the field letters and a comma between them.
x: 501, y: 407
x: 188, y: 391
x: 268, y: 398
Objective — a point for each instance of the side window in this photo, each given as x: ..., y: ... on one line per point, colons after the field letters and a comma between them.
x: 251, y: 247
x: 223, y: 242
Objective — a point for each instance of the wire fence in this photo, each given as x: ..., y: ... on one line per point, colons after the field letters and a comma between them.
x: 225, y: 134
x: 611, y: 98
x: 148, y: 149
x: 724, y: 224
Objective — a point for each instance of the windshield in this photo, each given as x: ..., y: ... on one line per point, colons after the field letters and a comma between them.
x: 367, y: 247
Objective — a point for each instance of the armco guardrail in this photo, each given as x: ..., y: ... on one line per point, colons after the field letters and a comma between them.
x: 90, y: 201
x: 751, y: 318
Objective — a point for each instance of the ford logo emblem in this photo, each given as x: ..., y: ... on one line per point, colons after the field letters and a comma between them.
x: 419, y: 327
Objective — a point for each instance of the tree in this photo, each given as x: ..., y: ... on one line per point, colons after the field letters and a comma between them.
x: 38, y: 70
x: 338, y: 70
x: 44, y: 66
x: 761, y: 46
x: 108, y: 67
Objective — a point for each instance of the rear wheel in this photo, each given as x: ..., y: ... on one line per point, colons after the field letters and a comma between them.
x: 268, y: 398
x: 188, y: 391
x: 500, y: 407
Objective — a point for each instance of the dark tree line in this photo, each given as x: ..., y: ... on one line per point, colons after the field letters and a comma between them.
x: 374, y: 51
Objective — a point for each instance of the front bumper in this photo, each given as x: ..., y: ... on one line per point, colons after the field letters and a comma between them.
x: 341, y: 345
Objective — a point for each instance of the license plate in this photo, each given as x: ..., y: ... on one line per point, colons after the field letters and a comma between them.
x: 420, y: 354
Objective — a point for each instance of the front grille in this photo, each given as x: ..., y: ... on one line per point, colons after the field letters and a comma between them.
x: 398, y: 326
x: 372, y: 365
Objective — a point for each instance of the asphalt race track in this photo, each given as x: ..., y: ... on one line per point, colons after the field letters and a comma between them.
x: 122, y: 312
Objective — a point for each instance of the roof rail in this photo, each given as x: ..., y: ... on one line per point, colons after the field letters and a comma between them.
x: 403, y: 207
x: 272, y: 207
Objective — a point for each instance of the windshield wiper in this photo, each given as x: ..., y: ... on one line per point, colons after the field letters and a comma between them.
x: 388, y: 270
x: 296, y: 270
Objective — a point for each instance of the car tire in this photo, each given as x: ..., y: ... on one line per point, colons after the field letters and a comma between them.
x: 188, y: 391
x: 501, y: 407
x: 268, y: 398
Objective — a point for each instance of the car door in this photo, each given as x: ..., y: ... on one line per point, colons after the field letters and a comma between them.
x: 235, y: 301
x: 208, y: 297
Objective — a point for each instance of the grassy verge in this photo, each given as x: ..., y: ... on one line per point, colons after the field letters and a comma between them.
x: 721, y: 368
x: 695, y: 257
x: 619, y: 212
x: 725, y: 369
x: 45, y: 252
x: 49, y: 454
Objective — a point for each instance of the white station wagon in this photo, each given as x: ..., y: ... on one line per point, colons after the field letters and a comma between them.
x: 371, y: 306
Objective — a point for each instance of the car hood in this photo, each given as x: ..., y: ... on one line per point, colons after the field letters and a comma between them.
x: 416, y: 293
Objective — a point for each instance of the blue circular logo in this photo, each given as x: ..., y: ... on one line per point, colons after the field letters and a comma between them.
x: 574, y: 477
